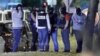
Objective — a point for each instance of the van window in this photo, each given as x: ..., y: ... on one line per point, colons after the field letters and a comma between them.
x: 8, y: 16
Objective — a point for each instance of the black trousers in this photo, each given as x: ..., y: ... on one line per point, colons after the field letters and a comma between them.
x: 34, y: 38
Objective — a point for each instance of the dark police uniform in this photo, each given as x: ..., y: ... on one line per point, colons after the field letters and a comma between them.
x: 43, y: 25
x: 53, y: 33
x: 34, y: 32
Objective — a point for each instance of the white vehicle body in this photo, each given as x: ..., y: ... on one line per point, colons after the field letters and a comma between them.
x: 26, y: 15
x: 5, y: 16
x: 1, y: 16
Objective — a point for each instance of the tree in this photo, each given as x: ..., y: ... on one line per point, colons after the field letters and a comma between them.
x: 59, y: 3
x: 31, y: 3
x: 84, y: 4
x: 96, y: 44
x: 89, y: 27
x: 75, y: 3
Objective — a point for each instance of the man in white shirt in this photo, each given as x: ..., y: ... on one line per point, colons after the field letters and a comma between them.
x: 17, y: 26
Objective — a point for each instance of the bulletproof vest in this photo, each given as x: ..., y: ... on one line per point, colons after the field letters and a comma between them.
x: 42, y: 22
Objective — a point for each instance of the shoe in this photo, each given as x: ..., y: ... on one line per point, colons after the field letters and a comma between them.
x: 66, y: 50
x: 56, y: 51
x: 78, y: 51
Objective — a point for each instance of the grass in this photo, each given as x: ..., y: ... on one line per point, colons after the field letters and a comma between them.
x: 51, y: 53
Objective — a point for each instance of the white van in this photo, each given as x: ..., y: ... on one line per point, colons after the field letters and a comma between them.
x: 1, y: 16
x: 26, y: 16
x: 5, y: 17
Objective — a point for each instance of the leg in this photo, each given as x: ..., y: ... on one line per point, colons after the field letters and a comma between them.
x: 45, y: 38
x: 78, y: 36
x: 55, y: 41
x: 65, y: 38
x: 34, y: 39
x: 40, y: 39
x: 16, y: 40
x: 47, y: 42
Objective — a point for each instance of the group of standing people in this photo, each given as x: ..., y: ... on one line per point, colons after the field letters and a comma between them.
x: 44, y: 25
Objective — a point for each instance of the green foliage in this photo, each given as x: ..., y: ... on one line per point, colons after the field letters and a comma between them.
x: 76, y: 3
x: 59, y: 3
x: 31, y: 3
x: 84, y: 2
x: 79, y: 3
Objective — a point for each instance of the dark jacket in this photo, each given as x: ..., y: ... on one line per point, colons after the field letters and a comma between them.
x: 53, y: 21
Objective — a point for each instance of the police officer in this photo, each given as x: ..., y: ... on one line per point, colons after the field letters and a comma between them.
x: 53, y: 32
x: 43, y: 26
x: 78, y: 20
x: 33, y: 28
x: 65, y: 30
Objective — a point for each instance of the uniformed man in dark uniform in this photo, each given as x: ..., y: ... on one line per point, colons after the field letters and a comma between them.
x: 53, y: 32
x: 43, y: 26
x: 33, y: 28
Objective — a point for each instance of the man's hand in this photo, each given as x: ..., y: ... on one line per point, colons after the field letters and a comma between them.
x: 64, y: 28
x: 66, y: 25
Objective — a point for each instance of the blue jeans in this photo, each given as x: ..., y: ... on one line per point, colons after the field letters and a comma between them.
x: 42, y: 37
x: 65, y: 38
x: 16, y: 39
x: 55, y: 41
x: 79, y: 39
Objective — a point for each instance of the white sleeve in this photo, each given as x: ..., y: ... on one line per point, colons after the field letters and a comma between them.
x: 48, y: 22
x: 36, y: 21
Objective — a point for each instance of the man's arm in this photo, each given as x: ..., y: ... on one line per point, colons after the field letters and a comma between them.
x: 33, y: 18
x: 67, y: 18
x: 48, y: 22
x: 66, y: 25
x: 36, y: 20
